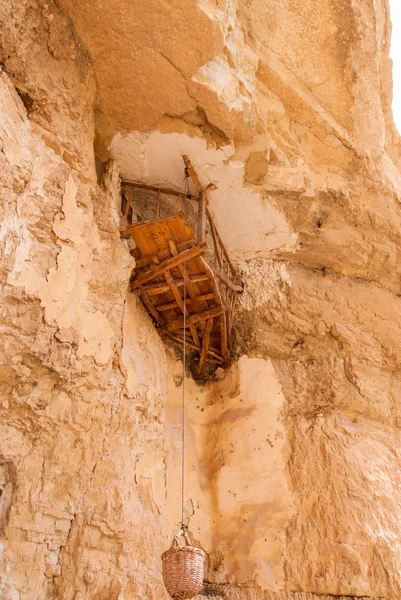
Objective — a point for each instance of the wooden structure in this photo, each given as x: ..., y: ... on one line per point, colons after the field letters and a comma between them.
x: 178, y: 273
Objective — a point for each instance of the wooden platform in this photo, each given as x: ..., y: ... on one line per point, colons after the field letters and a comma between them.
x: 172, y: 277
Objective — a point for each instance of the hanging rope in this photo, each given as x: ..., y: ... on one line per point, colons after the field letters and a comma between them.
x: 184, y: 359
x: 183, y: 566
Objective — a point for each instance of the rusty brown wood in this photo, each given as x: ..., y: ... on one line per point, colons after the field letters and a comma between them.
x: 181, y: 305
x: 186, y: 273
x: 217, y: 256
x: 212, y: 281
x: 167, y: 265
x: 161, y: 255
x: 198, y: 348
x: 205, y: 346
x: 153, y: 188
x: 162, y: 288
x: 222, y: 246
x: 227, y: 282
x: 202, y: 219
x: 133, y: 228
x: 158, y: 205
x: 150, y: 306
x: 128, y: 199
x: 193, y: 319
x: 198, y: 186
x: 192, y: 173
x: 171, y: 305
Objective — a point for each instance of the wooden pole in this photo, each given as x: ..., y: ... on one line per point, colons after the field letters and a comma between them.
x: 202, y: 219
x: 227, y: 282
x: 128, y: 200
x: 153, y: 188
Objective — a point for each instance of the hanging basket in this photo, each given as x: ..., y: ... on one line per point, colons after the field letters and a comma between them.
x: 183, y: 568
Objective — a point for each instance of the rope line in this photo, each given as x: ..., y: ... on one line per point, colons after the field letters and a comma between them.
x: 184, y: 364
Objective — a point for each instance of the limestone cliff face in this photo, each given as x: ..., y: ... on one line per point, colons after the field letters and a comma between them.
x: 293, y: 455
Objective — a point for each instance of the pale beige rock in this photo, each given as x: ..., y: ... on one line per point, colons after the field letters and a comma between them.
x: 292, y: 456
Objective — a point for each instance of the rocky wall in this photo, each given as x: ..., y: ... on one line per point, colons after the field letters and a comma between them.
x: 78, y: 410
x: 292, y: 454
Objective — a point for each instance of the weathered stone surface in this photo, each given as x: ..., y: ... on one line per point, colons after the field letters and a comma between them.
x: 292, y: 455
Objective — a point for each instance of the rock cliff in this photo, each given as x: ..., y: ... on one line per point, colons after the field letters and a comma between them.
x: 293, y: 453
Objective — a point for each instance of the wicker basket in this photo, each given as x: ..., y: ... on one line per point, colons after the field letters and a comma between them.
x: 183, y: 568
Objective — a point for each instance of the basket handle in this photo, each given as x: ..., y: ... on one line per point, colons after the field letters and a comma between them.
x: 176, y: 539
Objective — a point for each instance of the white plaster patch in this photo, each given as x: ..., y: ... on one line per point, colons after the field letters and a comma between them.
x: 248, y: 222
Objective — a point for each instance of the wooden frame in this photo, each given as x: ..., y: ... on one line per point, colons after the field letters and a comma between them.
x: 170, y: 258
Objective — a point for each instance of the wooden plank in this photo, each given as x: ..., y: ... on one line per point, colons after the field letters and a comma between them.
x: 217, y: 256
x: 162, y: 288
x: 160, y: 234
x: 202, y: 219
x: 128, y: 200
x: 170, y: 305
x: 168, y: 264
x: 198, y: 186
x: 178, y: 216
x: 181, y: 231
x: 152, y: 188
x: 192, y: 173
x: 198, y: 348
x: 223, y: 248
x: 143, y: 239
x: 205, y: 346
x: 161, y: 255
x: 149, y: 305
x: 208, y: 270
x: 197, y: 318
x: 181, y: 305
x: 185, y: 273
x: 227, y: 282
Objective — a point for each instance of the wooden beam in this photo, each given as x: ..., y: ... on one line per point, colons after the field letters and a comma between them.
x: 227, y: 282
x: 222, y: 246
x: 181, y: 304
x: 212, y: 281
x: 150, y: 306
x: 153, y: 188
x: 217, y: 256
x: 161, y: 254
x: 197, y: 318
x: 198, y: 186
x: 198, y: 348
x: 134, y: 227
x: 205, y: 346
x: 162, y: 288
x: 170, y: 305
x: 202, y: 219
x: 192, y: 173
x: 184, y: 272
x: 128, y: 200
x: 168, y: 264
